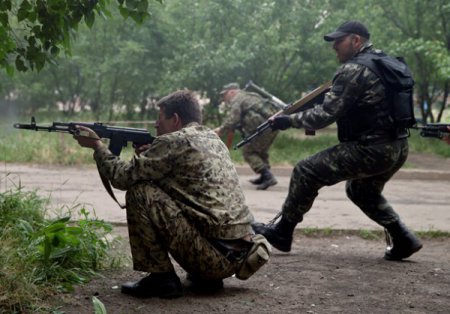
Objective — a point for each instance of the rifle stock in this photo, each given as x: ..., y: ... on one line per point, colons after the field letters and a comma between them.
x: 304, y: 103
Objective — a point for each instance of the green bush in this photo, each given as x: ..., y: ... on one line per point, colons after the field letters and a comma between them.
x: 40, y: 256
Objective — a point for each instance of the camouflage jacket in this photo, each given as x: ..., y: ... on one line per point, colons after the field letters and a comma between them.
x: 356, y: 101
x: 248, y: 111
x: 193, y: 166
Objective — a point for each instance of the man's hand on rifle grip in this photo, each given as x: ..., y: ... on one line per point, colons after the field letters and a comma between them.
x: 87, y: 137
x: 280, y: 122
x: 139, y: 149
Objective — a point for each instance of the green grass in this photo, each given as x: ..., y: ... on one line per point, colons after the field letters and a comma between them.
x: 25, y: 146
x: 365, y: 234
x: 290, y: 146
x: 40, y: 256
x: 433, y: 146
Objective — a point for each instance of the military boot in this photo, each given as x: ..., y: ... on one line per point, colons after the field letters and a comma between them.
x: 279, y: 235
x: 402, y: 243
x: 267, y: 180
x: 163, y: 285
x: 257, y: 180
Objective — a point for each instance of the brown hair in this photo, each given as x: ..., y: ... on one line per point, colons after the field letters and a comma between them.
x: 184, y: 103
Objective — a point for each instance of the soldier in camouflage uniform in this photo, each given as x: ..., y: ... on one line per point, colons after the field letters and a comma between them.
x: 248, y: 111
x: 183, y: 198
x: 371, y: 149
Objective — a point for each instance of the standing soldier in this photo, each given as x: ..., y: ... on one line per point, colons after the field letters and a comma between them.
x: 248, y: 110
x: 373, y: 147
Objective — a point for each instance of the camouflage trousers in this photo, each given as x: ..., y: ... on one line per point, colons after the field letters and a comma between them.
x: 157, y: 227
x: 256, y: 153
x: 366, y: 168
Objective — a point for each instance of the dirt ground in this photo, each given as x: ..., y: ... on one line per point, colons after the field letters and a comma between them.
x: 323, y: 274
x: 340, y: 273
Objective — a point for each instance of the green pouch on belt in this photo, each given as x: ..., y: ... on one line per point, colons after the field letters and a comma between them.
x: 257, y: 256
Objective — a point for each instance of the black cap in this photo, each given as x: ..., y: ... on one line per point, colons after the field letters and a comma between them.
x: 350, y: 27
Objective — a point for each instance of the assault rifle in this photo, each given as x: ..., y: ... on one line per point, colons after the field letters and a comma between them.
x: 302, y: 104
x: 437, y: 130
x: 118, y: 136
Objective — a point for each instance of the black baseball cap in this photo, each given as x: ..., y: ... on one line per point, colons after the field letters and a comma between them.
x: 349, y: 27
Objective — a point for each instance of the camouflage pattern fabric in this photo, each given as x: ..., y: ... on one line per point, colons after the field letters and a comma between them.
x: 365, y: 166
x: 356, y: 93
x: 256, y: 153
x: 158, y: 226
x: 248, y: 111
x: 193, y: 166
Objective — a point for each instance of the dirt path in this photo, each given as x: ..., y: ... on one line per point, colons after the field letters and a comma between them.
x: 336, y: 274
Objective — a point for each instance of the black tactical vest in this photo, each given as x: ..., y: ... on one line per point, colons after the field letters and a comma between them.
x: 396, y: 113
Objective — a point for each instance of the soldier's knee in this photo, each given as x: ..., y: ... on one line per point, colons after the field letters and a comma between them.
x: 300, y: 169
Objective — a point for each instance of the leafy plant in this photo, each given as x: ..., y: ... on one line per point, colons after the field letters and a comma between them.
x: 39, y: 255
x: 99, y: 307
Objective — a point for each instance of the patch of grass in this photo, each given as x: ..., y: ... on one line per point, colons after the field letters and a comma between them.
x: 433, y: 234
x: 289, y: 147
x: 366, y: 234
x: 41, y: 256
x: 433, y: 146
x: 369, y: 234
x: 25, y: 146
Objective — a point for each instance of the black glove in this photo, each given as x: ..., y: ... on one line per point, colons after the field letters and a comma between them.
x: 281, y: 122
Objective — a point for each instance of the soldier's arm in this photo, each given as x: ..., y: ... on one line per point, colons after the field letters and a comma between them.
x: 348, y: 85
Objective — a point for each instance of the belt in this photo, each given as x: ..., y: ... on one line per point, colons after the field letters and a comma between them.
x: 233, y: 250
x: 375, y: 139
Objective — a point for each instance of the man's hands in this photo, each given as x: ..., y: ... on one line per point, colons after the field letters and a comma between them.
x: 87, y: 138
x: 139, y: 149
x: 280, y: 122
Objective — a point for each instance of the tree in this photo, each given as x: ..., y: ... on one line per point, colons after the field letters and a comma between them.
x: 420, y: 31
x: 33, y: 32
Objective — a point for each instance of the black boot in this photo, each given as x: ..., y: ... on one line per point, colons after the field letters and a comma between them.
x: 404, y: 242
x: 163, y: 285
x: 204, y: 286
x: 280, y: 235
x: 267, y: 180
x: 257, y: 180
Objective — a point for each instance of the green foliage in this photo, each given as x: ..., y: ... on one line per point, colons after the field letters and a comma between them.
x: 428, y: 145
x: 41, y: 255
x: 291, y: 146
x: 35, y: 31
x: 116, y: 68
x: 99, y: 307
x: 44, y: 147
